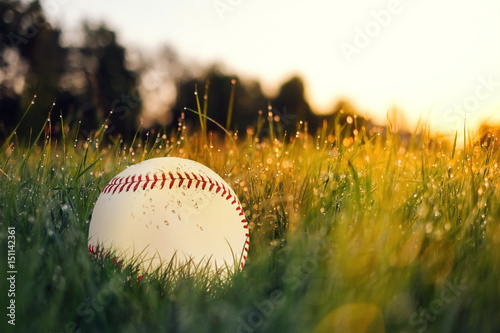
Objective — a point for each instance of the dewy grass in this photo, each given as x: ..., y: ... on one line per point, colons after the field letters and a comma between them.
x: 348, y: 234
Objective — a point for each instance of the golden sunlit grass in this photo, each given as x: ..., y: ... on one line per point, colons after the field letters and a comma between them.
x: 349, y: 233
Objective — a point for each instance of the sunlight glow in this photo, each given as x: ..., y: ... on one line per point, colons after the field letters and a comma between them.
x: 422, y: 57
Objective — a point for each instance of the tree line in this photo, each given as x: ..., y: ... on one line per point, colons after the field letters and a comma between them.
x: 95, y: 78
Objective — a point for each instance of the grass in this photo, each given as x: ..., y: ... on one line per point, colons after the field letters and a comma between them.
x: 348, y: 234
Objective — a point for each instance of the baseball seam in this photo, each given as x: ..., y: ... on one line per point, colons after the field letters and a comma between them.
x: 133, y: 183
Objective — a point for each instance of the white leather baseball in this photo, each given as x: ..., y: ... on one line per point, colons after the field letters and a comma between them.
x: 170, y: 208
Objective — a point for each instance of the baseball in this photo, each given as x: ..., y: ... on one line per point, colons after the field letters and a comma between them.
x: 170, y: 210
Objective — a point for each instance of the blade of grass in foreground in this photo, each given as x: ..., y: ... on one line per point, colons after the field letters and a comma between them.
x: 33, y: 145
x: 357, y: 191
x: 9, y: 138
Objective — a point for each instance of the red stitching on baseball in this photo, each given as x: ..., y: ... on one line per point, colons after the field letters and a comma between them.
x: 138, y: 182
x: 181, y: 179
x: 146, y: 183
x: 129, y: 183
x: 120, y: 183
x: 204, y: 183
x: 190, y: 180
x: 123, y: 186
x: 154, y: 181
x: 116, y: 186
x: 164, y: 179
x: 172, y: 180
x: 197, y: 180
x: 96, y: 253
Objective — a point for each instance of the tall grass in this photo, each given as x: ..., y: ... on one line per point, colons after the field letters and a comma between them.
x: 349, y: 233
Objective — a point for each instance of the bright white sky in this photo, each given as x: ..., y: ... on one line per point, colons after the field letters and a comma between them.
x: 418, y: 55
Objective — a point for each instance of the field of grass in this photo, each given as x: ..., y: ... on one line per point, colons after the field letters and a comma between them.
x: 347, y: 234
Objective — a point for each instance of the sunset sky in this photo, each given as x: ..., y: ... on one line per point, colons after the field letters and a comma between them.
x: 420, y: 56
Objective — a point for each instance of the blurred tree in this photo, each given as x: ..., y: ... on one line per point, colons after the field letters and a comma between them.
x: 159, y: 73
x: 349, y: 118
x: 110, y: 84
x: 248, y: 99
x: 488, y: 134
x: 86, y: 81
x: 31, y: 56
x: 291, y: 105
x: 93, y: 78
x: 11, y: 67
